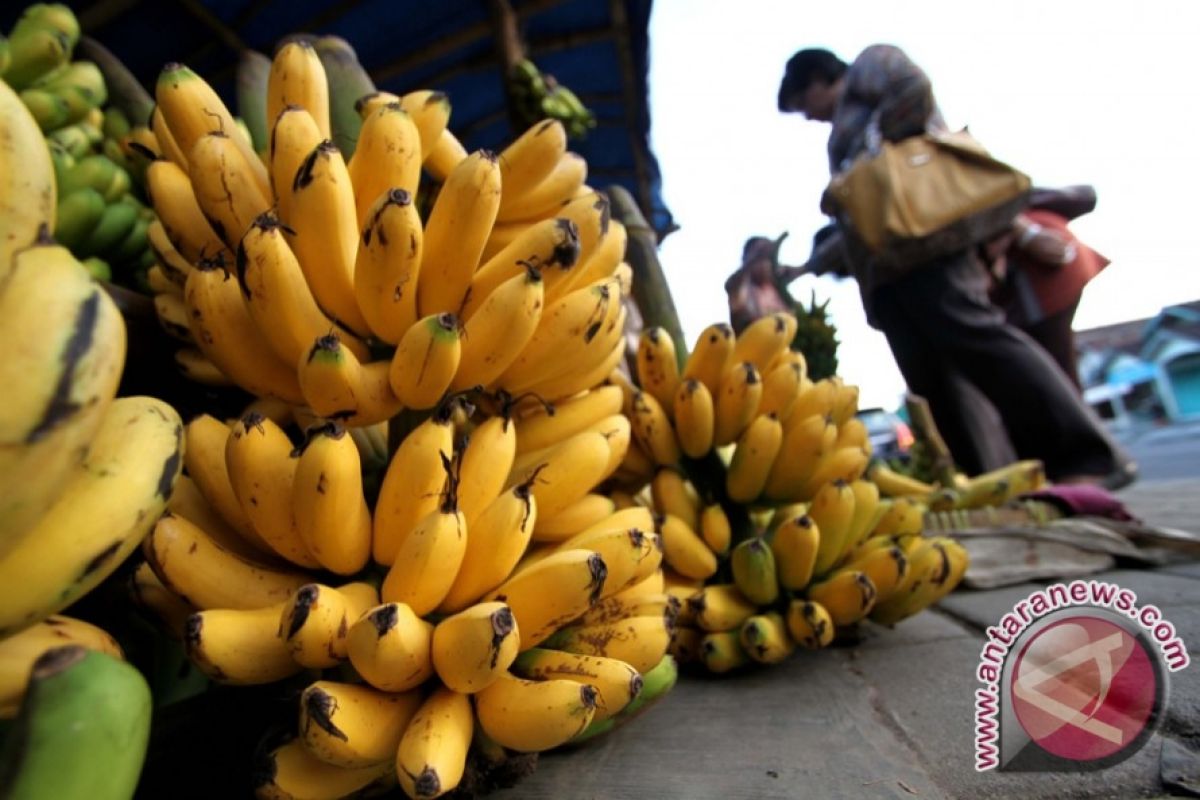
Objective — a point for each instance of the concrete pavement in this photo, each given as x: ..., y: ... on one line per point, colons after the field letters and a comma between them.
x: 891, y: 715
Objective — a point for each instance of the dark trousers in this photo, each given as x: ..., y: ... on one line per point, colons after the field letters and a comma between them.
x: 992, y: 390
x: 1056, y: 334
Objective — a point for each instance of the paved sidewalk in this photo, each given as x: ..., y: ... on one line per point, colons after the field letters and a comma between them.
x: 891, y: 716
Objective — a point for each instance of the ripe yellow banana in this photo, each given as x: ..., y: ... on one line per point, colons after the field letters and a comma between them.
x: 845, y: 401
x: 225, y: 332
x: 98, y: 518
x: 652, y: 429
x: 555, y: 590
x: 573, y: 334
x: 636, y: 602
x: 721, y: 607
x: 432, y: 755
x: 165, y: 140
x: 591, y: 213
x: 547, y: 426
x: 166, y: 609
x: 297, y: 78
x: 566, y: 472
x: 795, y: 544
x: 387, y: 157
x: 172, y: 316
x: 597, y: 360
x: 350, y: 725
x: 866, y: 512
x: 294, y: 135
x: 736, y: 402
x: 472, y: 648
x: 561, y: 184
x: 328, y: 503
x: 191, y: 109
x: 456, y: 231
x: 532, y: 156
x: 848, y: 595
x: 781, y: 387
x: 289, y: 770
x: 764, y: 339
x: 388, y: 264
x: 426, y: 360
x: 673, y: 493
x: 711, y: 356
x: 551, y: 244
x: 390, y: 647
x: 412, y: 485
x: 28, y: 191
x: 532, y: 716
x: 239, y: 647
x: 225, y: 186
x: 885, y: 566
x: 262, y: 471
x: 180, y: 224
x: 832, y: 510
x: 615, y: 681
x: 60, y: 382
x: 895, y: 484
x: 194, y: 566
x: 429, y: 555
x: 695, y: 417
x: 446, y: 154
x: 755, y: 454
x: 853, y: 433
x: 316, y: 618
x: 722, y: 651
x: 323, y: 230
x: 335, y: 384
x: 277, y: 295
x: 715, y: 529
x: 498, y: 538
x: 845, y: 464
x: 498, y: 331
x: 487, y: 458
x: 639, y: 641
x: 20, y: 651
x: 903, y: 515
x: 604, y: 261
x: 815, y: 398
x: 575, y: 518
x: 430, y: 112
x: 804, y: 441
x: 809, y: 624
x: 204, y: 459
x: 765, y: 638
x: 657, y: 369
x: 684, y: 551
x: 172, y: 267
x: 630, y: 554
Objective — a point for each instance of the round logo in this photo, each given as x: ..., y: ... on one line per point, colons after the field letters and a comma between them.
x: 1085, y: 688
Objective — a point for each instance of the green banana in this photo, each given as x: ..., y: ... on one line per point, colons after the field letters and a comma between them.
x: 753, y: 565
x: 95, y: 171
x: 657, y: 683
x: 82, y: 731
x: 33, y: 52
x: 5, y: 54
x: 116, y: 124
x: 98, y: 268
x: 348, y: 81
x: 49, y: 109
x: 77, y: 216
x: 115, y: 224
x: 57, y: 17
x: 253, y: 70
x: 130, y: 249
x: 74, y: 140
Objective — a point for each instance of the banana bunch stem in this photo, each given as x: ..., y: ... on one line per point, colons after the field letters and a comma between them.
x: 650, y: 288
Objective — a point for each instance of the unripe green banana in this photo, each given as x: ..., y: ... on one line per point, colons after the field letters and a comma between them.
x: 94, y: 170
x: 98, y: 268
x: 115, y: 224
x: 82, y: 731
x: 78, y: 214
x: 53, y: 16
x: 48, y: 108
x: 116, y: 124
x: 753, y: 564
x: 74, y: 140
x: 656, y: 684
x: 33, y: 52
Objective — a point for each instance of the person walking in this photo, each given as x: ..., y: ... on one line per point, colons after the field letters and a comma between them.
x: 952, y: 344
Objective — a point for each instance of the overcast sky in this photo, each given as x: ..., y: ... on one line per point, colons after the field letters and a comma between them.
x: 1069, y: 91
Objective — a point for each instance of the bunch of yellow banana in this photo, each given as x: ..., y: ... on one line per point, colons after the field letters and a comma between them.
x: 749, y: 398
x: 810, y: 569
x: 990, y: 489
x: 311, y: 277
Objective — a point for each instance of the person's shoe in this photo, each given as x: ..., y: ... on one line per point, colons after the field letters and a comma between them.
x: 1125, y: 474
